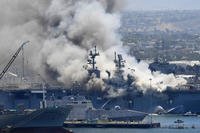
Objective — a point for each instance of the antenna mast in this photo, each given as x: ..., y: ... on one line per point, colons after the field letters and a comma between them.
x: 92, y: 61
x: 93, y: 55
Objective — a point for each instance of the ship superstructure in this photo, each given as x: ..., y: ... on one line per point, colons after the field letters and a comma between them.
x: 117, y: 81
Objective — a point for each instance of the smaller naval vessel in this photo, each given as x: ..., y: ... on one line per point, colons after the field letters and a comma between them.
x: 83, y: 110
x: 44, y: 118
x: 47, y: 117
x: 23, y: 120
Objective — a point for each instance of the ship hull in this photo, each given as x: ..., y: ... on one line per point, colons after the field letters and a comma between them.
x: 36, y: 130
x: 48, y: 117
x: 179, y: 102
x: 187, y: 100
x: 116, y: 115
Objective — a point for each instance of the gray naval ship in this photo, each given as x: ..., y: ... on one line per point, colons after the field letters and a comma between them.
x: 14, y: 96
x: 83, y: 110
x: 181, y: 100
x: 42, y: 119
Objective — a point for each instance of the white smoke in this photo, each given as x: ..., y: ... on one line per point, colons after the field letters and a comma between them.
x: 62, y: 31
x: 75, y: 27
x: 146, y: 79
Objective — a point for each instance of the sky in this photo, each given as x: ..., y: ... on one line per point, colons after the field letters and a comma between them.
x: 162, y: 4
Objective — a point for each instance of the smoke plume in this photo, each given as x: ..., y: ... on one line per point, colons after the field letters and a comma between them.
x: 62, y: 32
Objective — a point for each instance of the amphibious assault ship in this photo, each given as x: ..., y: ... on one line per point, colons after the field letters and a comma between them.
x: 172, y: 101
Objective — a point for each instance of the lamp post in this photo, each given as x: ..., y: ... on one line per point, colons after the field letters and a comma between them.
x: 150, y: 80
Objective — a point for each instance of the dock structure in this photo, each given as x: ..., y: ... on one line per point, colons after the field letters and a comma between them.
x: 36, y: 130
x: 70, y: 124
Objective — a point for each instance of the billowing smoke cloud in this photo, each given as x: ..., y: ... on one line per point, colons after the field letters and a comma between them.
x: 62, y: 31
x: 74, y: 28
x: 146, y: 79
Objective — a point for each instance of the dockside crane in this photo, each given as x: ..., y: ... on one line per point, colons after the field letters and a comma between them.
x: 12, y: 60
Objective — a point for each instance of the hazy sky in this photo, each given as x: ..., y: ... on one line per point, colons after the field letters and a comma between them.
x: 163, y: 4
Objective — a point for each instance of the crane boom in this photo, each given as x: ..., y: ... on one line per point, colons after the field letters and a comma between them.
x: 12, y: 60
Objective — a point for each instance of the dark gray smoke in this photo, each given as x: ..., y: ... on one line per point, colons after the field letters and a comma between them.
x: 112, y: 6
x: 61, y: 32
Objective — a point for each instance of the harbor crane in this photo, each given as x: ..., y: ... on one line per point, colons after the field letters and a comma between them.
x: 12, y: 60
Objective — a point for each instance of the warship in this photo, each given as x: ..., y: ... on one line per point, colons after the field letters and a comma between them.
x: 40, y: 118
x: 171, y: 101
x: 83, y: 110
x: 23, y: 120
x: 179, y: 100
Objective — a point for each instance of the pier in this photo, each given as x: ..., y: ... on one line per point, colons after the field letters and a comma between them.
x: 35, y: 130
x: 72, y: 124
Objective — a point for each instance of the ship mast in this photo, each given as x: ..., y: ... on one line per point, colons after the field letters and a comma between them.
x: 119, y: 62
x: 92, y: 61
x: 93, y: 55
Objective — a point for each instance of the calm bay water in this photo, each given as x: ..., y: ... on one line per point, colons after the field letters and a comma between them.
x: 136, y: 130
x: 166, y: 122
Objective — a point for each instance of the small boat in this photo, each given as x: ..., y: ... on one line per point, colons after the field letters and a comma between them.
x: 189, y: 114
x: 179, y: 123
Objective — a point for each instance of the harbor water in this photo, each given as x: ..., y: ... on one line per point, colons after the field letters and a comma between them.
x: 191, y: 124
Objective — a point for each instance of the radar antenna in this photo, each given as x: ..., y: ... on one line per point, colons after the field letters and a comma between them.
x: 119, y: 61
